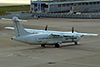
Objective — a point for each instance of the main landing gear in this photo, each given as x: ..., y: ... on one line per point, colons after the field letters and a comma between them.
x: 57, y: 45
x: 75, y: 43
x: 42, y: 45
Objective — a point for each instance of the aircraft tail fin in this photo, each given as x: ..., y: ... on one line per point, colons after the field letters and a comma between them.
x: 19, y: 30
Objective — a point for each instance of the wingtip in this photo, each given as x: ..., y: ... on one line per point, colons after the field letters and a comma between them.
x: 9, y: 27
x: 96, y: 34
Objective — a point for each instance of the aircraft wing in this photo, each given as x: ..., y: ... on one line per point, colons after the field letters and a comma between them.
x: 63, y: 34
x: 87, y: 34
x: 72, y: 34
x: 42, y: 31
x: 56, y: 33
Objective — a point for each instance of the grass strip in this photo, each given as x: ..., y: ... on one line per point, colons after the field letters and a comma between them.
x: 3, y: 9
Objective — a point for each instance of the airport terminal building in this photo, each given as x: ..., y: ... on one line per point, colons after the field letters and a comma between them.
x: 65, y: 5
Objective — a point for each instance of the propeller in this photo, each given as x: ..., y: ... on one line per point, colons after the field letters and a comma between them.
x: 72, y: 32
x: 72, y: 29
x: 46, y: 27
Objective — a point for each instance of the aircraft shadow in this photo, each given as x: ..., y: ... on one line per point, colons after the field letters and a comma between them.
x: 70, y: 45
x: 48, y: 47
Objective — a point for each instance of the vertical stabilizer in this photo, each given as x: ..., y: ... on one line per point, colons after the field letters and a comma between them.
x: 19, y: 30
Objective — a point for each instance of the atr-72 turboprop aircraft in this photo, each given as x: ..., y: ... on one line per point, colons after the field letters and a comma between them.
x: 44, y: 37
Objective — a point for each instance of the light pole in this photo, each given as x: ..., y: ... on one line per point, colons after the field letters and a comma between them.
x: 22, y: 8
x: 37, y: 5
x: 40, y: 5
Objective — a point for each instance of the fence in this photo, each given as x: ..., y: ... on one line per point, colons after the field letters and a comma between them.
x: 65, y: 15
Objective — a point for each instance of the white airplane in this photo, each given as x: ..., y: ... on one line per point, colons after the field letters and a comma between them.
x: 44, y: 37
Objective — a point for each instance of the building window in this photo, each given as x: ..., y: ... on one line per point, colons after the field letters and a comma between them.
x: 62, y: 0
x: 71, y: 4
x: 63, y: 5
x: 83, y: 3
x: 90, y: 3
x: 59, y: 5
x: 94, y: 2
x: 86, y: 3
x: 67, y: 4
x: 79, y: 3
x: 98, y: 2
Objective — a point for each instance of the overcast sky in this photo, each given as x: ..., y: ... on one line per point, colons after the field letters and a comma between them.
x: 15, y: 1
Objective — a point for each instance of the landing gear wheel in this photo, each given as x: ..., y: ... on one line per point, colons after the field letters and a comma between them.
x: 57, y: 45
x: 42, y: 45
x: 75, y: 43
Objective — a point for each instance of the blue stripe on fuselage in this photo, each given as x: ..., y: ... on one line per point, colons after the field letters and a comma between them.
x: 71, y: 38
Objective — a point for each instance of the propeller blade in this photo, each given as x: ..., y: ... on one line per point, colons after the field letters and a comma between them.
x: 72, y: 29
x: 46, y: 27
x: 72, y: 32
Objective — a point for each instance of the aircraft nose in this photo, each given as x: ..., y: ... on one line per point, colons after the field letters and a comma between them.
x: 13, y: 38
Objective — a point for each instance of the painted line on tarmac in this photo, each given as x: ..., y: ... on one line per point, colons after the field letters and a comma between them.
x: 6, y: 53
x: 81, y: 64
x: 35, y: 58
x: 59, y: 54
x: 11, y: 54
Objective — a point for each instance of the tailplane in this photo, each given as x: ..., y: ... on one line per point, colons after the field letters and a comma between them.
x: 19, y: 30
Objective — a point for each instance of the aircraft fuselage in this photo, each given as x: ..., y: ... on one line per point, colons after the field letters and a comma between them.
x: 46, y: 39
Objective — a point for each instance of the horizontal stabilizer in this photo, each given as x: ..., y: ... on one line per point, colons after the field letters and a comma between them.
x: 12, y: 28
x: 11, y: 19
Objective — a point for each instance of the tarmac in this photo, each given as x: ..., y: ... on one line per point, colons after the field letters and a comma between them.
x: 17, y: 54
x: 85, y: 54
